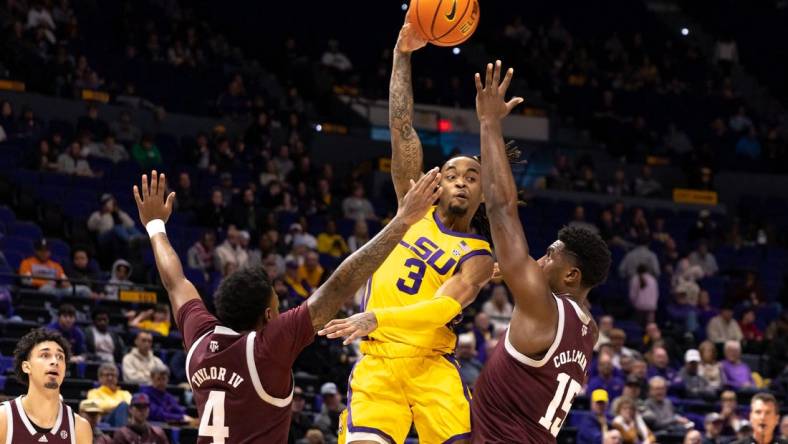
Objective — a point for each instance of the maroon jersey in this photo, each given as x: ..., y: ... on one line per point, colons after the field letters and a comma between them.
x: 20, y: 430
x: 242, y: 382
x: 518, y: 399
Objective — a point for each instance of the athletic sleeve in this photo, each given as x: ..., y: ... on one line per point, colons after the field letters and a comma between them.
x: 285, y: 337
x: 194, y: 320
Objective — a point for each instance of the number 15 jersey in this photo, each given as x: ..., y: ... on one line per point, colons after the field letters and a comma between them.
x: 427, y: 256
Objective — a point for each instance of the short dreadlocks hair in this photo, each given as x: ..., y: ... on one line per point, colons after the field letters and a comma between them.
x: 242, y: 298
x: 591, y: 252
x: 25, y: 346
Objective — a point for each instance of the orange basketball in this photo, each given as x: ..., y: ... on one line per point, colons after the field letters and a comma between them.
x: 444, y: 22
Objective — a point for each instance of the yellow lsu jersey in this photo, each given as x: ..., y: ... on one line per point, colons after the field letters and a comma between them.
x: 427, y: 256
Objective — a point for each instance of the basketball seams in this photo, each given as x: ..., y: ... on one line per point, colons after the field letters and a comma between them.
x: 434, y: 18
x: 457, y: 21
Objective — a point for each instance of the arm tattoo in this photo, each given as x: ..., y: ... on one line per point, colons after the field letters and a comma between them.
x: 407, y: 156
x: 352, y: 274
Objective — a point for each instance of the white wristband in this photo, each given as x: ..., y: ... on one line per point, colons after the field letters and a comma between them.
x: 155, y: 226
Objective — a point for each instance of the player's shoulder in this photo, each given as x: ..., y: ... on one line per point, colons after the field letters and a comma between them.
x: 82, y: 429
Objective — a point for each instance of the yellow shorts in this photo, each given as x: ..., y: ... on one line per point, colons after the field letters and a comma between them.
x: 387, y: 395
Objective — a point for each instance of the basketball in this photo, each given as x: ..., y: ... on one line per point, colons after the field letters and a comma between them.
x: 444, y: 22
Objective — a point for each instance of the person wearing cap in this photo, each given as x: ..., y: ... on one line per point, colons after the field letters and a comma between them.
x: 658, y: 411
x: 91, y: 411
x: 164, y: 407
x: 629, y: 422
x: 231, y: 250
x: 66, y: 325
x: 605, y: 377
x: 591, y: 429
x: 328, y: 418
x: 300, y: 421
x: 713, y: 423
x: 138, y: 429
x: 46, y: 274
x: 695, y: 385
x: 110, y: 223
x: 299, y: 239
x: 764, y: 416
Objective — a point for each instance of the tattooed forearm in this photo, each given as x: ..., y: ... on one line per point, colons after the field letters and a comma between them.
x: 407, y: 156
x: 352, y: 273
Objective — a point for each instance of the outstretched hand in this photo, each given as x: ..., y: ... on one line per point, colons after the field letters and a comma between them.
x: 151, y: 203
x: 422, y: 194
x: 409, y: 39
x: 352, y: 328
x: 491, y: 101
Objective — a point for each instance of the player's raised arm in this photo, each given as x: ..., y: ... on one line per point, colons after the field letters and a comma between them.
x: 356, y: 269
x: 407, y: 157
x: 154, y: 210
x: 521, y: 272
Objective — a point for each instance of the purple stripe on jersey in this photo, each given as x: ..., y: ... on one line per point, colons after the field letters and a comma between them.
x: 465, y: 390
x: 450, y: 232
x: 350, y: 426
x: 365, y: 299
x: 470, y: 255
x: 458, y: 437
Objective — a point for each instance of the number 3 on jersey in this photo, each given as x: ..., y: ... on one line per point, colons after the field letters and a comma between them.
x: 549, y: 420
x: 418, y: 268
x: 214, y: 427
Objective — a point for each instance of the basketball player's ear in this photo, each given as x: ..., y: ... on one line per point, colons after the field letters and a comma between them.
x: 269, y: 314
x: 26, y: 367
x: 573, y: 276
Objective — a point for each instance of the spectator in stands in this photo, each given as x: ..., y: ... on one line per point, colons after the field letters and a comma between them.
x: 311, y: 271
x: 723, y: 327
x: 147, y: 154
x: 234, y: 101
x: 619, y: 186
x: 737, y: 374
x: 643, y: 294
x: 605, y: 377
x: 138, y: 363
x: 45, y: 158
x: 712, y: 423
x: 107, y: 149
x: 748, y: 147
x: 332, y: 243
x: 605, y: 325
x: 336, y: 59
x: 81, y: 270
x: 156, y: 319
x: 125, y: 130
x: 660, y: 364
x: 164, y: 407
x: 640, y: 255
x: 300, y: 420
x: 703, y: 258
x: 66, y: 325
x: 215, y: 214
x: 91, y: 411
x: 360, y: 235
x: 328, y: 418
x: 119, y: 279
x: 617, y: 339
x: 749, y: 292
x: 247, y: 214
x: 784, y: 428
x: 112, y: 400
x: 91, y: 124
x: 592, y: 428
x: 47, y: 275
x: 631, y: 425
x: 752, y: 334
x: 658, y: 409
x: 72, y: 162
x: 313, y: 436
x: 470, y: 367
x: 693, y: 437
x: 710, y: 369
x: 612, y: 437
x: 586, y: 181
x: 231, y: 250
x: 138, y: 429
x: 111, y: 223
x: 298, y: 288
x: 300, y: 240
x: 498, y: 308
x: 483, y: 331
x: 356, y: 206
x: 100, y: 341
x: 579, y: 220
x: 764, y: 416
x: 689, y: 377
x: 611, y: 232
x: 653, y: 338
x: 187, y: 200
x: 646, y: 185
x: 201, y: 254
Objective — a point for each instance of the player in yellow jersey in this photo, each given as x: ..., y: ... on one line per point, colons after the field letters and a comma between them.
x: 408, y: 373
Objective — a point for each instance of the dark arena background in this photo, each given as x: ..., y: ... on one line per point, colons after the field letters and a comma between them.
x: 659, y: 124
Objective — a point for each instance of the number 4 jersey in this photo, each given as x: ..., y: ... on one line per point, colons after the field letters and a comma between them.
x: 242, y: 382
x: 426, y: 257
x: 518, y: 399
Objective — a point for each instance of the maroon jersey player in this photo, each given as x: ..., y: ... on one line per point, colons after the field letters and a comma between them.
x: 527, y: 387
x: 40, y: 415
x: 239, y: 365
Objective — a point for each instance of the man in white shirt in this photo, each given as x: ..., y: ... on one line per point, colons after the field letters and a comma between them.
x: 138, y: 363
x: 723, y: 327
x: 498, y: 308
x: 704, y: 259
x: 231, y: 250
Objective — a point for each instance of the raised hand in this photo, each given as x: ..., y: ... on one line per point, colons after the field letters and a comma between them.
x: 491, y: 101
x: 352, y: 328
x: 409, y: 39
x: 421, y: 196
x: 151, y: 203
